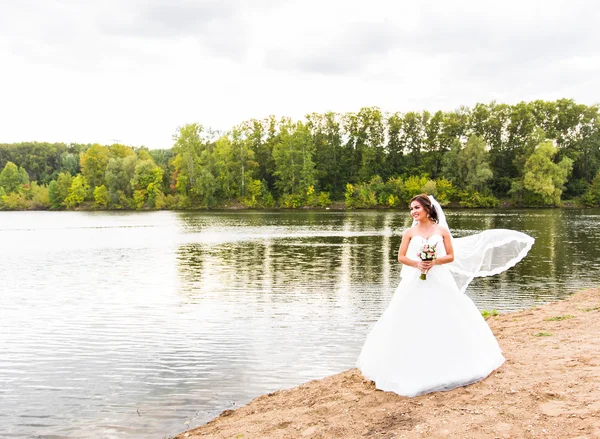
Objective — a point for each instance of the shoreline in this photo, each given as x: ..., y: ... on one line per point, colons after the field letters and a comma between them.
x: 549, y: 387
x: 332, y: 208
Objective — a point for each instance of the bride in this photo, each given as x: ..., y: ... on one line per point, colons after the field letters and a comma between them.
x: 432, y: 337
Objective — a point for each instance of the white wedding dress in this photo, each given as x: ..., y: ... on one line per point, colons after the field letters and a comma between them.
x: 432, y: 337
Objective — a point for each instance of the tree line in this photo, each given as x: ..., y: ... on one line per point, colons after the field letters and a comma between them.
x: 529, y: 154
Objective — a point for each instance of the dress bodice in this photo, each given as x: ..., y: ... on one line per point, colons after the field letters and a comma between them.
x: 414, y: 246
x: 417, y: 242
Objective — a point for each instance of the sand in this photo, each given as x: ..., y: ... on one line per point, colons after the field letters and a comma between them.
x: 549, y: 387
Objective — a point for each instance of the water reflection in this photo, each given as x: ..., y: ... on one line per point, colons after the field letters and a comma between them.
x: 142, y: 325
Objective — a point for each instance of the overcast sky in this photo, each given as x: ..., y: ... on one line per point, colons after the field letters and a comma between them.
x: 134, y: 70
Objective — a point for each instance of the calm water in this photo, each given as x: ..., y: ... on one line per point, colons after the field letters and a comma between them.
x: 142, y: 325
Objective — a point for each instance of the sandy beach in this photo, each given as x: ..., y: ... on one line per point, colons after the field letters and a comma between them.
x: 549, y: 387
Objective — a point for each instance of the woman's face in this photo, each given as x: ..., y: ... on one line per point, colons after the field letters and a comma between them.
x: 417, y: 211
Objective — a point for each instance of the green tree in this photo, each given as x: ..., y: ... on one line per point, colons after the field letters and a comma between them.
x: 23, y: 176
x: 194, y: 165
x: 475, y: 161
x: 536, y: 137
x: 118, y: 176
x: 544, y: 179
x: 40, y: 159
x: 58, y: 190
x: 295, y: 169
x: 205, y: 188
x: 120, y: 151
x: 412, y: 140
x: 13, y: 177
x: 146, y: 172
x: 226, y: 167
x: 93, y: 164
x: 15, y: 201
x: 434, y: 144
x: 258, y: 195
x: 234, y: 164
x: 68, y: 162
x: 262, y: 135
x: 38, y: 196
x: 592, y: 196
x: 146, y: 182
x: 101, y: 196
x: 501, y: 157
x: 78, y: 192
x: 394, y: 162
x: 144, y: 154
x: 453, y: 168
x: 370, y: 138
x: 163, y: 158
x: 412, y: 186
x: 242, y: 156
x: 468, y: 167
x: 327, y: 138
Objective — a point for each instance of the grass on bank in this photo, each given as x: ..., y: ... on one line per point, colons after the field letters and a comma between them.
x: 558, y: 318
x: 493, y: 313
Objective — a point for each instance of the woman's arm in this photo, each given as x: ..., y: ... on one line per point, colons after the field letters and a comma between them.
x: 403, y: 248
x: 449, y: 257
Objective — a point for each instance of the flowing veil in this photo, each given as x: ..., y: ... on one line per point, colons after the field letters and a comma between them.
x: 483, y: 254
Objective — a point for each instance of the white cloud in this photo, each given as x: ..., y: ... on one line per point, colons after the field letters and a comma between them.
x: 134, y: 70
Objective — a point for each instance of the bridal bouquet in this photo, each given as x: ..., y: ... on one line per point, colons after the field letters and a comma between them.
x: 427, y: 253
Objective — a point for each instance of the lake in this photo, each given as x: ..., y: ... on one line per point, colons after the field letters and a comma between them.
x: 143, y: 325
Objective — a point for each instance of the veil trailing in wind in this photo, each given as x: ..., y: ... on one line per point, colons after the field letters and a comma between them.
x: 483, y: 254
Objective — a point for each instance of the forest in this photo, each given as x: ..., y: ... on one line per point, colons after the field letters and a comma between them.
x: 533, y: 154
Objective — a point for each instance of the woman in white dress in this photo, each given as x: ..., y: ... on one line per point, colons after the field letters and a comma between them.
x: 432, y: 337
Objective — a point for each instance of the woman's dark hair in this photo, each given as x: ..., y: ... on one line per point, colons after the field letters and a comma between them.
x: 423, y: 200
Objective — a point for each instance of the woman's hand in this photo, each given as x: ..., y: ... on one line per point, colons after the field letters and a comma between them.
x: 424, y: 266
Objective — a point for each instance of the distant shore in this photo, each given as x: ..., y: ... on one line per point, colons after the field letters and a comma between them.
x: 549, y: 387
x: 335, y: 206
x: 340, y: 206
